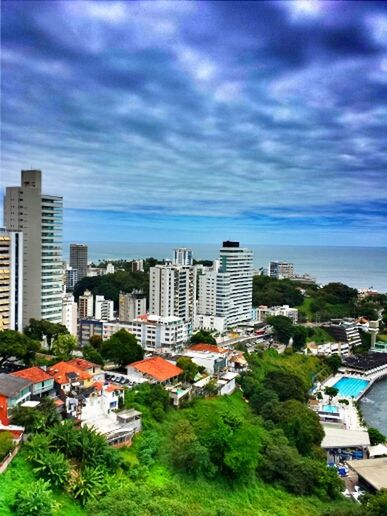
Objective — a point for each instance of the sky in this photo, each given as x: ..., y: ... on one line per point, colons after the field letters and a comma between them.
x: 195, y: 122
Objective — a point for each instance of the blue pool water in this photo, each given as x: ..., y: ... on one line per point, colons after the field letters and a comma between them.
x: 349, y: 387
x: 330, y: 408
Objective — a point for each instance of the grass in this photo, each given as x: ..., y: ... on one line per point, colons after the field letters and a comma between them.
x: 305, y: 308
x: 320, y: 336
x: 382, y: 337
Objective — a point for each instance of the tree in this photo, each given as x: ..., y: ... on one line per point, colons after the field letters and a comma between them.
x: 376, y: 505
x: 283, y: 327
x: 333, y: 362
x: 6, y: 444
x: 29, y: 417
x: 96, y: 342
x: 331, y: 392
x: 35, y: 500
x: 122, y: 348
x: 15, y: 344
x: 92, y: 354
x: 299, y: 337
x: 203, y: 337
x: 64, y: 345
x: 187, y: 454
x: 189, y: 367
x: 87, y: 484
x: 54, y: 467
x: 287, y: 385
x: 37, y: 330
x: 376, y: 437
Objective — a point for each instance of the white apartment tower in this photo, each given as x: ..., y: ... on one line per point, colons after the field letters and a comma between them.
x: 104, y: 309
x: 235, y: 292
x: 172, y: 291
x: 131, y: 305
x: 11, y: 280
x: 40, y: 218
x: 182, y: 256
x: 69, y: 313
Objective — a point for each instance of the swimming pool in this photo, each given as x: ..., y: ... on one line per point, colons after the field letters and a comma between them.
x: 331, y: 409
x: 350, y: 387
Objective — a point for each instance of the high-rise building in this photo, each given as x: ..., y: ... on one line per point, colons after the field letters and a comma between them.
x: 172, y: 291
x: 182, y: 256
x: 71, y: 278
x: 131, y: 305
x: 11, y: 280
x: 86, y: 305
x: 40, y: 218
x: 235, y: 288
x: 138, y: 266
x: 104, y: 309
x: 281, y: 270
x: 78, y: 259
x: 69, y: 313
x: 109, y: 268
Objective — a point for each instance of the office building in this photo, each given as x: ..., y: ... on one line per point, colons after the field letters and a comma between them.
x: 131, y: 305
x: 78, y: 259
x: 235, y: 285
x: 104, y: 309
x: 138, y: 266
x: 40, y: 218
x: 86, y: 305
x: 69, y: 313
x: 11, y: 280
x: 281, y: 270
x: 172, y: 291
x: 71, y: 278
x: 183, y: 257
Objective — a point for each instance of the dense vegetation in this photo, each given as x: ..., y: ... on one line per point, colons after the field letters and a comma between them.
x: 271, y: 292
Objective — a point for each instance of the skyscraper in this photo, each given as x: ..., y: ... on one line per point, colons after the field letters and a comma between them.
x: 78, y: 259
x: 11, y: 280
x: 40, y: 218
x: 182, y: 256
x: 172, y: 291
x: 236, y: 288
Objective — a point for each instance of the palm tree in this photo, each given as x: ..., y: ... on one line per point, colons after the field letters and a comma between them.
x: 87, y: 484
x: 53, y: 467
x: 66, y: 438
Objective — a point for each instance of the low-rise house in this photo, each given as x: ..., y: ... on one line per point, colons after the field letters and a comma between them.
x: 13, y: 391
x: 67, y: 375
x: 237, y: 362
x: 117, y: 427
x: 226, y: 383
x: 41, y: 382
x: 154, y: 370
x: 212, y: 358
x: 94, y: 370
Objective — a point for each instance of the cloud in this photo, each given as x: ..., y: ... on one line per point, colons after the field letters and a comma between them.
x: 252, y: 116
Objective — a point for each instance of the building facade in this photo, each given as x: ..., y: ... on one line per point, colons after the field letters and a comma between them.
x: 69, y: 313
x: 235, y: 286
x: 104, y: 309
x: 172, y: 291
x: 131, y: 305
x: 71, y: 278
x: 183, y: 256
x: 86, y: 305
x: 40, y: 218
x: 78, y: 259
x: 281, y: 270
x: 11, y: 280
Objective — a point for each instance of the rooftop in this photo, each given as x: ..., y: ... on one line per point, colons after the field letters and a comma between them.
x: 366, y: 362
x: 343, y: 438
x: 83, y: 364
x: 34, y: 374
x: 207, y: 347
x: 62, y: 370
x: 157, y: 368
x: 10, y: 386
x: 373, y: 471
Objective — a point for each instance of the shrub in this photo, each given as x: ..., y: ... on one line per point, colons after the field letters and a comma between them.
x: 34, y: 500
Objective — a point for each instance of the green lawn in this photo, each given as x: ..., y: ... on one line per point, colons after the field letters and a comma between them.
x: 305, y: 308
x: 320, y: 336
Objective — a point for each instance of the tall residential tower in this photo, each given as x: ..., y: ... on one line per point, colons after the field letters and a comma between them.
x: 78, y: 259
x: 40, y: 218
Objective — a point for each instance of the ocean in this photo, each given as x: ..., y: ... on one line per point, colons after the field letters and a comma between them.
x: 374, y: 406
x: 358, y: 267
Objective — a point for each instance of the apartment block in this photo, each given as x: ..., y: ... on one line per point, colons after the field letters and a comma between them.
x: 131, y: 305
x: 40, y: 218
x: 11, y: 280
x: 78, y: 259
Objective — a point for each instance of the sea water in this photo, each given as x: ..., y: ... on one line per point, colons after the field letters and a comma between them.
x: 358, y: 267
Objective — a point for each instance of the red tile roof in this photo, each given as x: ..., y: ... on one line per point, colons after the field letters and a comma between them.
x: 83, y: 364
x: 157, y: 368
x: 207, y: 347
x: 59, y: 372
x: 33, y: 374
